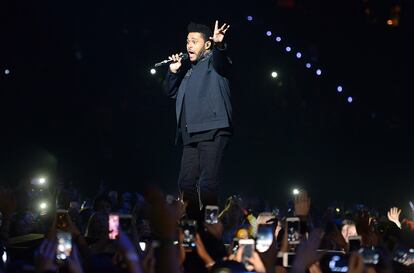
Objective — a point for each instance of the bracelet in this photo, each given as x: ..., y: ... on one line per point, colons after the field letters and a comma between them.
x: 210, y: 264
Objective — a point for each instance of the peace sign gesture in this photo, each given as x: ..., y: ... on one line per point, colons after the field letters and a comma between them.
x: 218, y: 35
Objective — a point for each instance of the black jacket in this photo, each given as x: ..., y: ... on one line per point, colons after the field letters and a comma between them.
x: 207, y: 93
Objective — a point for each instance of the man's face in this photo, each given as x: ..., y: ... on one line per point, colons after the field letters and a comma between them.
x: 195, y: 45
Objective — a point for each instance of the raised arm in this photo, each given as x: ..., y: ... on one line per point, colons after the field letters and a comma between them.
x: 221, y: 62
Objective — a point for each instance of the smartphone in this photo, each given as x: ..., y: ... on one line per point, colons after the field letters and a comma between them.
x: 404, y: 256
x: 293, y: 230
x: 264, y: 238
x: 334, y: 262
x: 248, y: 248
x: 354, y: 243
x: 189, y: 228
x: 62, y: 219
x: 125, y: 222
x: 235, y: 245
x: 64, y: 246
x: 113, y: 226
x: 288, y: 258
x: 370, y: 255
x: 211, y: 214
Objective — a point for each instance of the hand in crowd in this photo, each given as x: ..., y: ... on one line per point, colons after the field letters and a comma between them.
x: 129, y: 253
x: 45, y: 256
x: 255, y: 263
x: 74, y: 261
x: 215, y: 229
x: 302, y: 204
x: 306, y: 253
x: 356, y: 264
x: 394, y: 216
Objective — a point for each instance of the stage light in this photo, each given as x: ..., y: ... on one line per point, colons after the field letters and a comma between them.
x: 288, y: 49
x: 268, y: 33
x: 249, y: 18
x: 298, y: 55
x: 339, y: 89
x: 274, y: 74
x: 6, y: 71
x: 389, y: 22
x: 143, y: 245
x: 350, y: 99
x: 42, y: 181
x: 338, y: 210
x: 278, y: 39
x: 295, y: 191
x: 308, y: 65
x: 318, y: 72
x: 4, y: 257
x: 153, y: 71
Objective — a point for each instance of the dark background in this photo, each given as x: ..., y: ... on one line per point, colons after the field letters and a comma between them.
x: 79, y: 104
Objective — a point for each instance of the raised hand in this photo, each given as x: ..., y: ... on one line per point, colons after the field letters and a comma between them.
x: 218, y: 35
x: 356, y: 264
x: 45, y: 256
x: 302, y: 204
x: 176, y: 62
x: 394, y: 216
x: 256, y: 263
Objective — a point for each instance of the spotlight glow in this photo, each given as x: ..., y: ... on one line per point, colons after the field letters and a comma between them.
x: 43, y: 205
x: 6, y: 71
x: 274, y: 74
x: 308, y: 65
x: 278, y: 39
x: 4, y: 257
x: 42, y: 181
x: 339, y: 89
x: 153, y: 71
x: 318, y: 72
x: 295, y: 191
x: 288, y: 49
x: 268, y: 33
x: 298, y: 55
x: 350, y: 99
x: 249, y: 18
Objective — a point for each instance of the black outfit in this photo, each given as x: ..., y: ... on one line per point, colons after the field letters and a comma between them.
x: 203, y: 112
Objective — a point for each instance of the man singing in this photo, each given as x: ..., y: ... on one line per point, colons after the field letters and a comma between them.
x: 203, y: 112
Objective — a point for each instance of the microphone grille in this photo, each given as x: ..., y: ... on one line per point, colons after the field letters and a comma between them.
x: 184, y: 56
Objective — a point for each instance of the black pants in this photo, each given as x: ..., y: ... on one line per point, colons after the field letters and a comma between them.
x: 201, y: 173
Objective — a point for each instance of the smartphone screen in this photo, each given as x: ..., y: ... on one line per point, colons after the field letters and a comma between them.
x: 62, y: 219
x: 211, y: 214
x: 288, y: 259
x: 370, y: 255
x: 248, y: 248
x: 293, y: 230
x: 189, y: 228
x: 354, y: 243
x: 64, y: 245
x: 334, y: 262
x: 264, y: 238
x: 113, y: 225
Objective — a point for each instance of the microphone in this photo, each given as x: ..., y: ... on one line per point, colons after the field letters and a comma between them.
x: 184, y: 56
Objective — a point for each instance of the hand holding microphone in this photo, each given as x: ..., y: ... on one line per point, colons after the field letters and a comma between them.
x: 175, y: 62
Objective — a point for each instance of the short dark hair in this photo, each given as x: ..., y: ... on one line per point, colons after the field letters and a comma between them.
x: 203, y: 29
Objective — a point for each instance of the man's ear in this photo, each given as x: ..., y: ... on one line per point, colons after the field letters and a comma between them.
x: 207, y: 45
